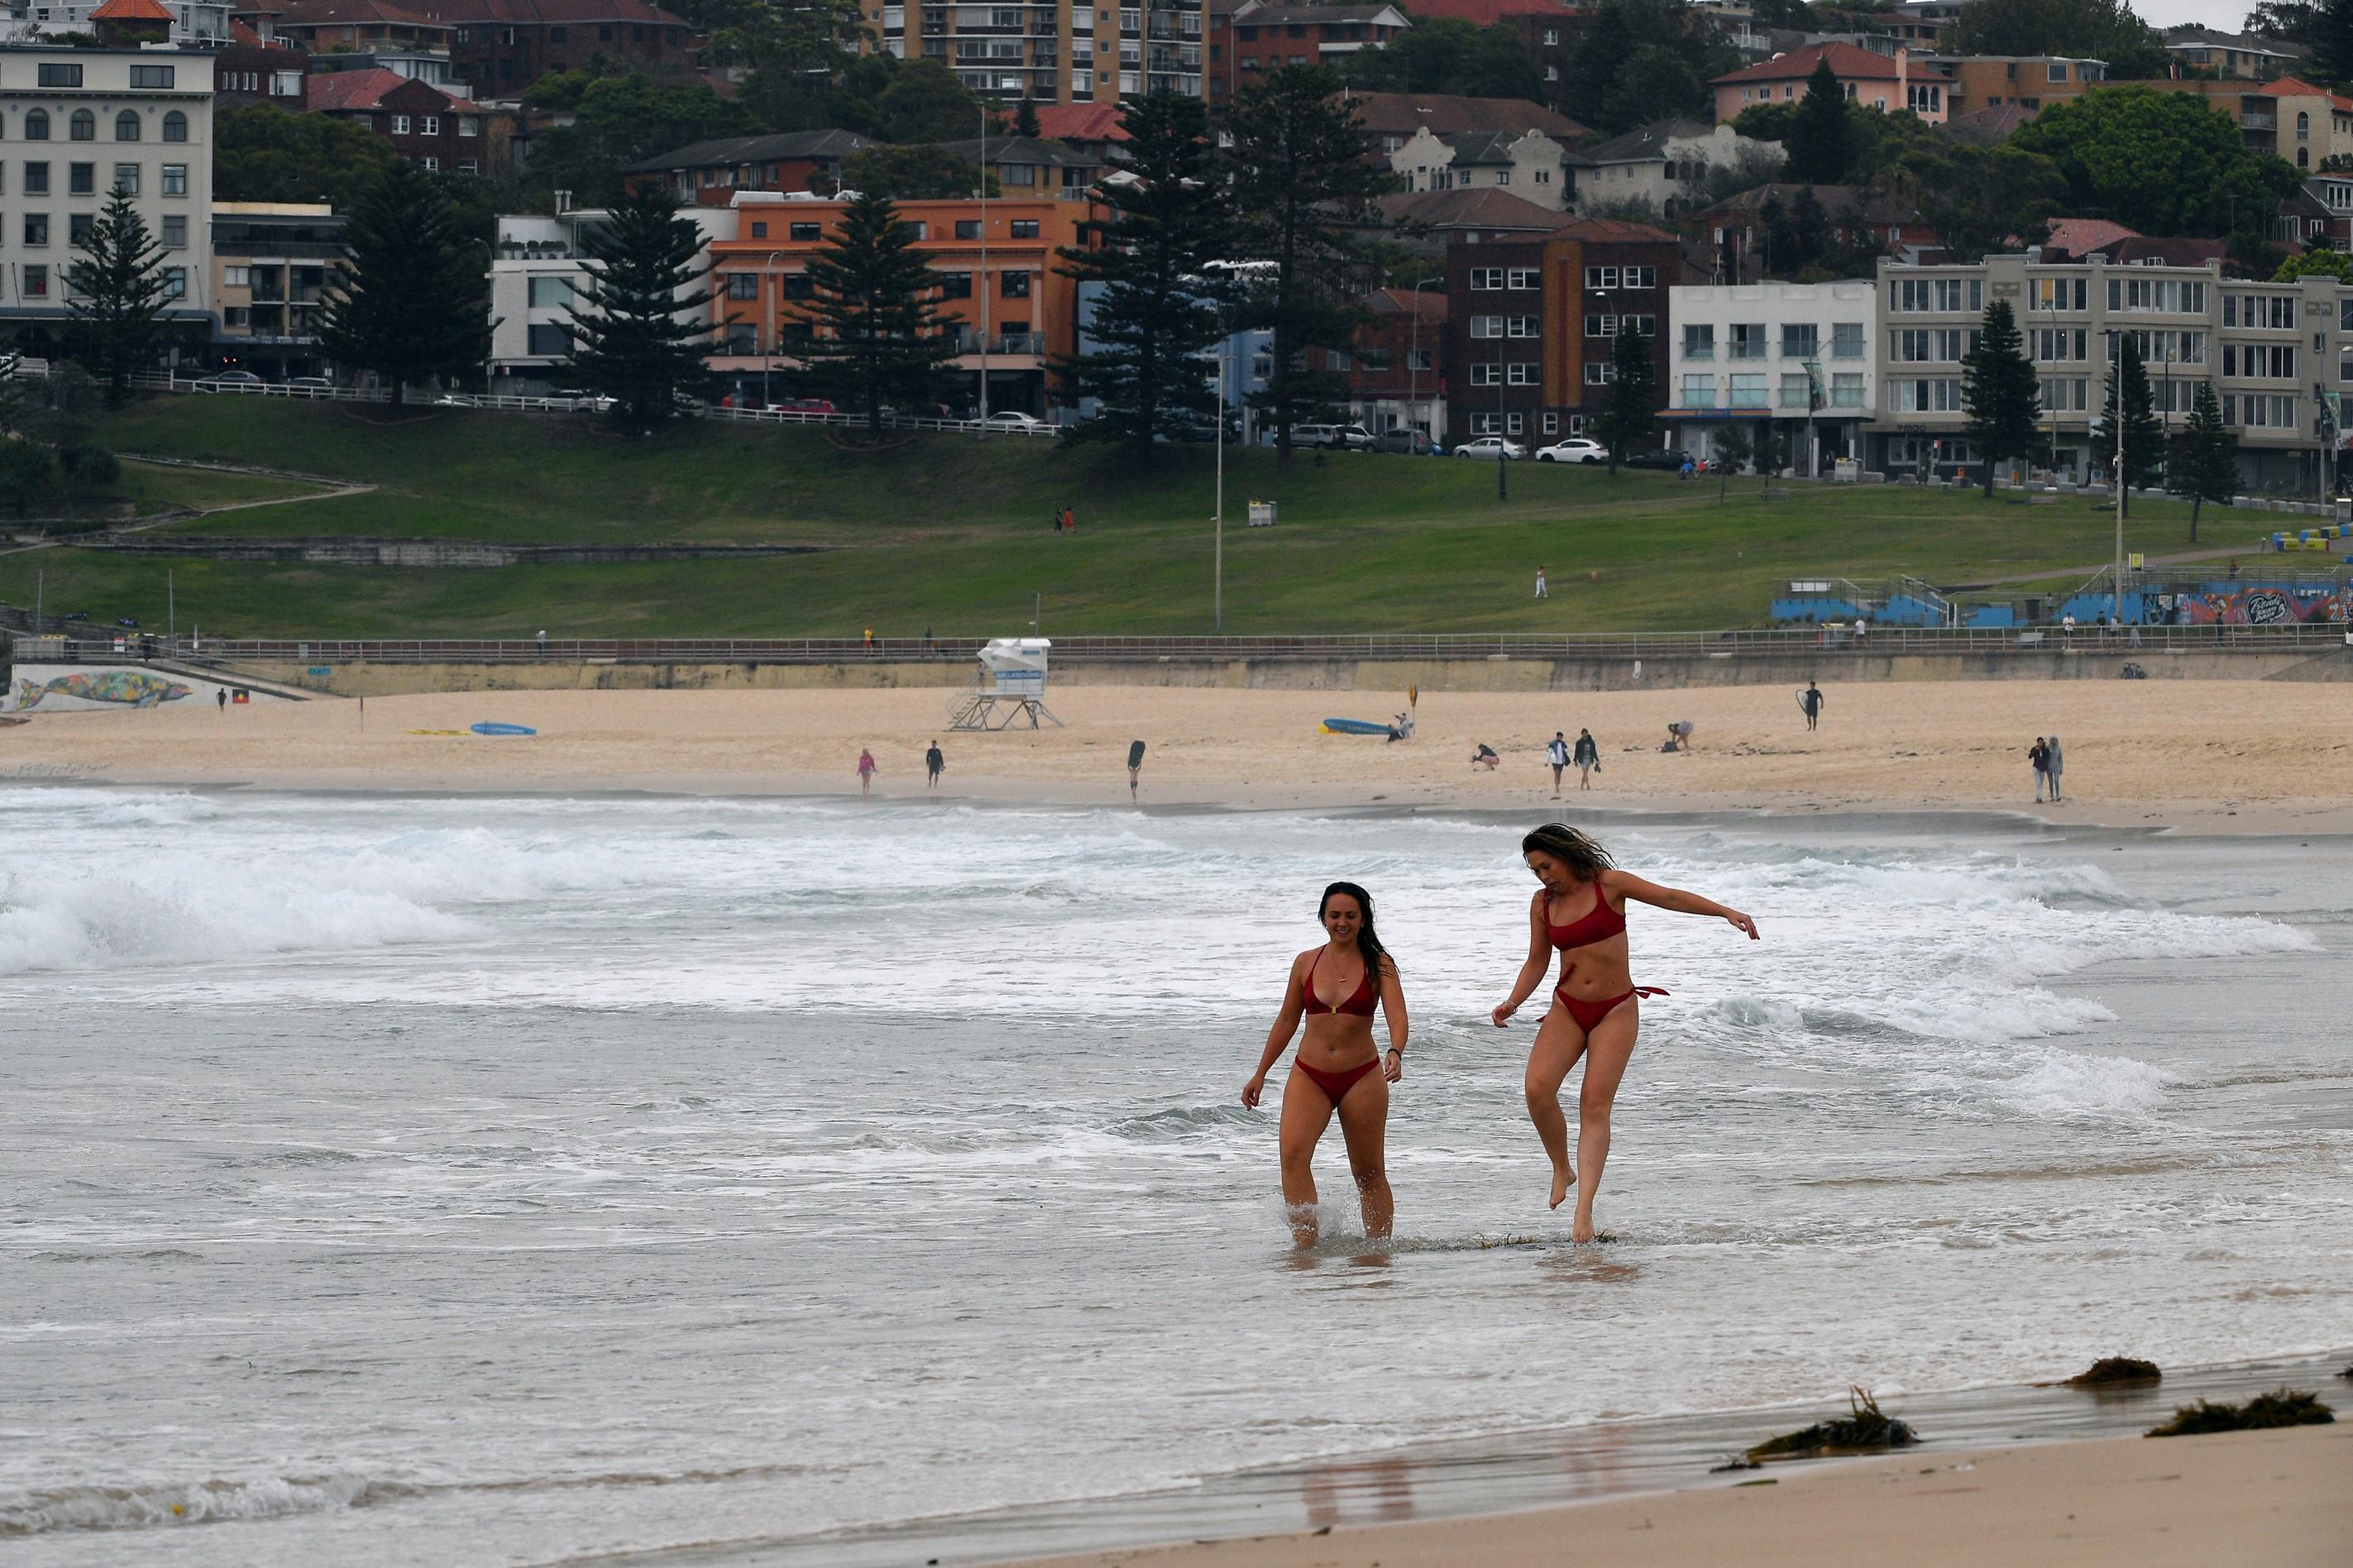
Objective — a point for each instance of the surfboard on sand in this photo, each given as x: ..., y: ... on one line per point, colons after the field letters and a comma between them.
x: 487, y: 728
x: 437, y: 732
x: 1354, y: 727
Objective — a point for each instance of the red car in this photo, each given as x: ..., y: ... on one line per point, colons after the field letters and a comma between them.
x: 804, y: 405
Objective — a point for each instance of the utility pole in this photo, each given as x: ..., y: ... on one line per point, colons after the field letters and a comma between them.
x: 1503, y: 442
x: 984, y: 270
x: 1218, y: 517
x: 2117, y: 369
x: 171, y: 611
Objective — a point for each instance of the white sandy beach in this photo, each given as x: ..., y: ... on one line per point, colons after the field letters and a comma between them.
x: 2283, y: 1499
x: 2243, y: 756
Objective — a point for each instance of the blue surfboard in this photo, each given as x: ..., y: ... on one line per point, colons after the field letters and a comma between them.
x: 504, y: 730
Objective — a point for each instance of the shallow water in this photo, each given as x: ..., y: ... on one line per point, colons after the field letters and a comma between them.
x: 411, y: 1180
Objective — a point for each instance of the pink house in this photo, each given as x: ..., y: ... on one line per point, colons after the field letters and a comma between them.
x: 1875, y: 80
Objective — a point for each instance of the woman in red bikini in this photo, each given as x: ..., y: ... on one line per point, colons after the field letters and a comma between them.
x: 1596, y: 1010
x: 1335, y: 987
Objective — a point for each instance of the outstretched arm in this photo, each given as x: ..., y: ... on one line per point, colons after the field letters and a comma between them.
x: 1286, y: 1023
x: 1393, y: 1009
x: 1532, y: 972
x: 1627, y: 886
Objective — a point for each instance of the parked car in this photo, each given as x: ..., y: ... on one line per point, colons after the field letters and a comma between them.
x: 310, y: 387
x: 75, y: 615
x: 579, y: 400
x: 1575, y: 449
x: 1404, y: 440
x: 231, y: 381
x: 456, y: 400
x: 1012, y: 419
x: 1669, y: 459
x: 128, y: 622
x: 1333, y: 438
x: 804, y: 405
x: 1488, y: 446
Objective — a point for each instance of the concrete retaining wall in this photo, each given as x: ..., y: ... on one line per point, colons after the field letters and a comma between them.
x: 1327, y: 675
x: 434, y: 552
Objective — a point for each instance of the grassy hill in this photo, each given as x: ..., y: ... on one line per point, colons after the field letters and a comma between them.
x: 951, y: 532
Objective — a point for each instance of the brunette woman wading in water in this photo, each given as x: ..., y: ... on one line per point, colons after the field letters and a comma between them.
x: 1595, y: 1008
x: 1337, y: 987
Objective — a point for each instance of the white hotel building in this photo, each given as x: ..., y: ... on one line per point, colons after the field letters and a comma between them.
x: 1751, y: 354
x: 77, y: 124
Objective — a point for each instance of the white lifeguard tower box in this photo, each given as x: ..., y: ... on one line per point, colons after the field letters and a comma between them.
x: 1011, y: 685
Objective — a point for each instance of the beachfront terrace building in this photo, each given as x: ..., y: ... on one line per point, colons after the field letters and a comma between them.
x: 1797, y: 359
x: 1249, y: 38
x: 1892, y: 83
x: 539, y: 268
x: 2280, y: 356
x: 274, y: 264
x: 1051, y: 51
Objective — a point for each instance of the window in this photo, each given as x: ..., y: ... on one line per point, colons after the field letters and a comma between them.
x: 1601, y: 278
x: 1642, y: 277
x: 282, y: 84
x: 37, y: 179
x: 126, y: 178
x: 1846, y: 389
x: 469, y: 166
x: 36, y: 277
x: 126, y: 126
x: 1024, y: 228
x: 60, y: 76
x: 236, y: 277
x: 1748, y: 340
x: 1923, y: 396
x: 1600, y: 373
x: 1638, y: 326
x: 82, y: 179
x: 548, y: 340
x: 1797, y: 391
x: 1485, y: 277
x: 1938, y: 293
x: 759, y: 230
x: 175, y: 233
x: 1601, y: 326
x: 1699, y: 391
x: 956, y: 285
x: 1523, y: 326
x: 151, y: 76
x: 175, y: 126
x: 469, y: 126
x: 743, y: 338
x: 1699, y: 343
x: 80, y: 226
x: 176, y: 179
x: 1748, y: 392
x: 428, y: 125
x: 37, y: 125
x: 175, y: 282
x: 1486, y: 326
x: 400, y: 125
x: 1521, y: 373
x: 798, y: 286
x: 743, y: 285
x: 1512, y: 423
x: 1521, y: 278
x: 430, y: 165
x: 968, y: 228
x: 83, y: 127
x: 550, y: 293
x: 1013, y: 286
x: 806, y: 232
x: 1482, y: 425
x: 1801, y: 340
x: 1483, y: 375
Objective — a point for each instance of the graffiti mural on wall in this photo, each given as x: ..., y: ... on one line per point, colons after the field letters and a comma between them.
x: 2259, y: 606
x: 100, y: 688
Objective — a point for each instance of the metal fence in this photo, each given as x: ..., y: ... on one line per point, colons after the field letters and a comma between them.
x: 85, y: 642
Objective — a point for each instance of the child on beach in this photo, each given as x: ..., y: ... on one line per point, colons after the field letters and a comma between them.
x: 865, y: 771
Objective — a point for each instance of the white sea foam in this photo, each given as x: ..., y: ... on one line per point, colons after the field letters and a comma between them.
x: 194, y: 1502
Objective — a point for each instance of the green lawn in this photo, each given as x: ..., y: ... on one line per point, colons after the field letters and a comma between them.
x: 154, y: 488
x: 950, y: 533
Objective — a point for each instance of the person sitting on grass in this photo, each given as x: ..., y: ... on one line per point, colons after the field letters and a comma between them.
x: 1485, y: 754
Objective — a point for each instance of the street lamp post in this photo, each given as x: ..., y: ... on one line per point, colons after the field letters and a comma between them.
x: 1413, y: 356
x: 984, y: 270
x: 768, y: 268
x: 2116, y: 372
x: 1503, y: 442
x: 1217, y: 516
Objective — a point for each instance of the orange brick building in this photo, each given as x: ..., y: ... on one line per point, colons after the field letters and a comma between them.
x: 761, y: 290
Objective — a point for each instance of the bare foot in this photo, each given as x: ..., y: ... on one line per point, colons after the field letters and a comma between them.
x: 1581, y: 1227
x: 1564, y: 1177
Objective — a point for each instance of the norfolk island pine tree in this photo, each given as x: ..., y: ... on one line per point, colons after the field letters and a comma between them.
x: 2144, y: 435
x: 114, y: 292
x: 639, y: 329
x: 1999, y: 392
x: 2205, y: 465
x: 878, y: 339
x: 415, y: 299
x: 1631, y: 417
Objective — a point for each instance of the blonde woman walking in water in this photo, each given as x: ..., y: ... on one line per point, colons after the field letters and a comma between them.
x: 1596, y: 1007
x: 1336, y: 988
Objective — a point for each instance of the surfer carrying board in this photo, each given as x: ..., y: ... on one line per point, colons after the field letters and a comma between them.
x: 1336, y: 989
x: 1596, y: 1005
x: 1809, y: 703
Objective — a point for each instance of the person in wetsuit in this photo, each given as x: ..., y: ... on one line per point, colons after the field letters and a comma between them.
x: 1336, y: 1071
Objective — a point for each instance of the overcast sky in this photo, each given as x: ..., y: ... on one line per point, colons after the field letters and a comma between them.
x: 2225, y: 15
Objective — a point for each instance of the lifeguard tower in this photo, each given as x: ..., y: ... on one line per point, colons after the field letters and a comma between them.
x: 1011, y: 685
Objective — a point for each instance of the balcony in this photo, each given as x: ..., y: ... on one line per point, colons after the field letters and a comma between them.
x: 2253, y: 121
x: 1702, y: 354
x: 1747, y: 350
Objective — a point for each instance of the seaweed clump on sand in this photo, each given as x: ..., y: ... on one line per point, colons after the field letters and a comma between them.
x: 1866, y: 1430
x: 2110, y: 1370
x: 2281, y: 1407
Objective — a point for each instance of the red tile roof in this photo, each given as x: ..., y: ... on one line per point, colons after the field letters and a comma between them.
x: 1403, y: 113
x: 1487, y: 13
x: 2081, y: 236
x: 350, y: 12
x: 239, y: 33
x: 533, y: 12
x: 1080, y: 122
x: 1612, y: 231
x: 355, y: 91
x: 1847, y: 62
x: 132, y: 11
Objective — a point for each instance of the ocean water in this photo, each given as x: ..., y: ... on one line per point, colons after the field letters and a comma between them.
x: 403, y: 1179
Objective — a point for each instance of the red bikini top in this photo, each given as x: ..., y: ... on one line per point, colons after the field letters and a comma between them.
x: 1597, y: 924
x: 1360, y: 1003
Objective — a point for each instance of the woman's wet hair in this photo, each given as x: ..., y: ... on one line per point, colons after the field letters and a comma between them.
x: 1584, y: 858
x: 1369, y: 941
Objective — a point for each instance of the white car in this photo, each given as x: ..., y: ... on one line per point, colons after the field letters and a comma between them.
x: 1487, y: 446
x: 1575, y: 449
x: 1012, y: 419
x: 231, y: 381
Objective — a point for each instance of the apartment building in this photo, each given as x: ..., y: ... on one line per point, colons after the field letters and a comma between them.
x: 183, y: 24
x: 2240, y: 57
x: 501, y: 46
x: 77, y: 124
x: 1052, y: 51
x: 1535, y: 322
x: 1875, y: 80
x: 1659, y: 165
x: 1798, y: 357
x: 273, y: 265
x: 1001, y: 282
x: 1249, y: 38
x: 1528, y: 163
x: 424, y: 124
x: 709, y: 174
x: 539, y: 268
x: 2280, y: 355
x: 2036, y: 82
x: 1393, y: 367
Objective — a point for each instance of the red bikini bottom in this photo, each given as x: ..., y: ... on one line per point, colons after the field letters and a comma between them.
x: 1336, y: 1084
x: 1588, y: 1013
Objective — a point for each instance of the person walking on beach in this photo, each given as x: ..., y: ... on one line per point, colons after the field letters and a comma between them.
x: 934, y: 760
x: 2057, y: 763
x: 2040, y: 755
x: 1335, y: 1071
x: 1587, y: 758
x: 220, y: 700
x: 1135, y: 767
x: 1812, y: 701
x: 1557, y: 756
x: 1596, y: 1009
x: 865, y: 771
x: 1541, y: 593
